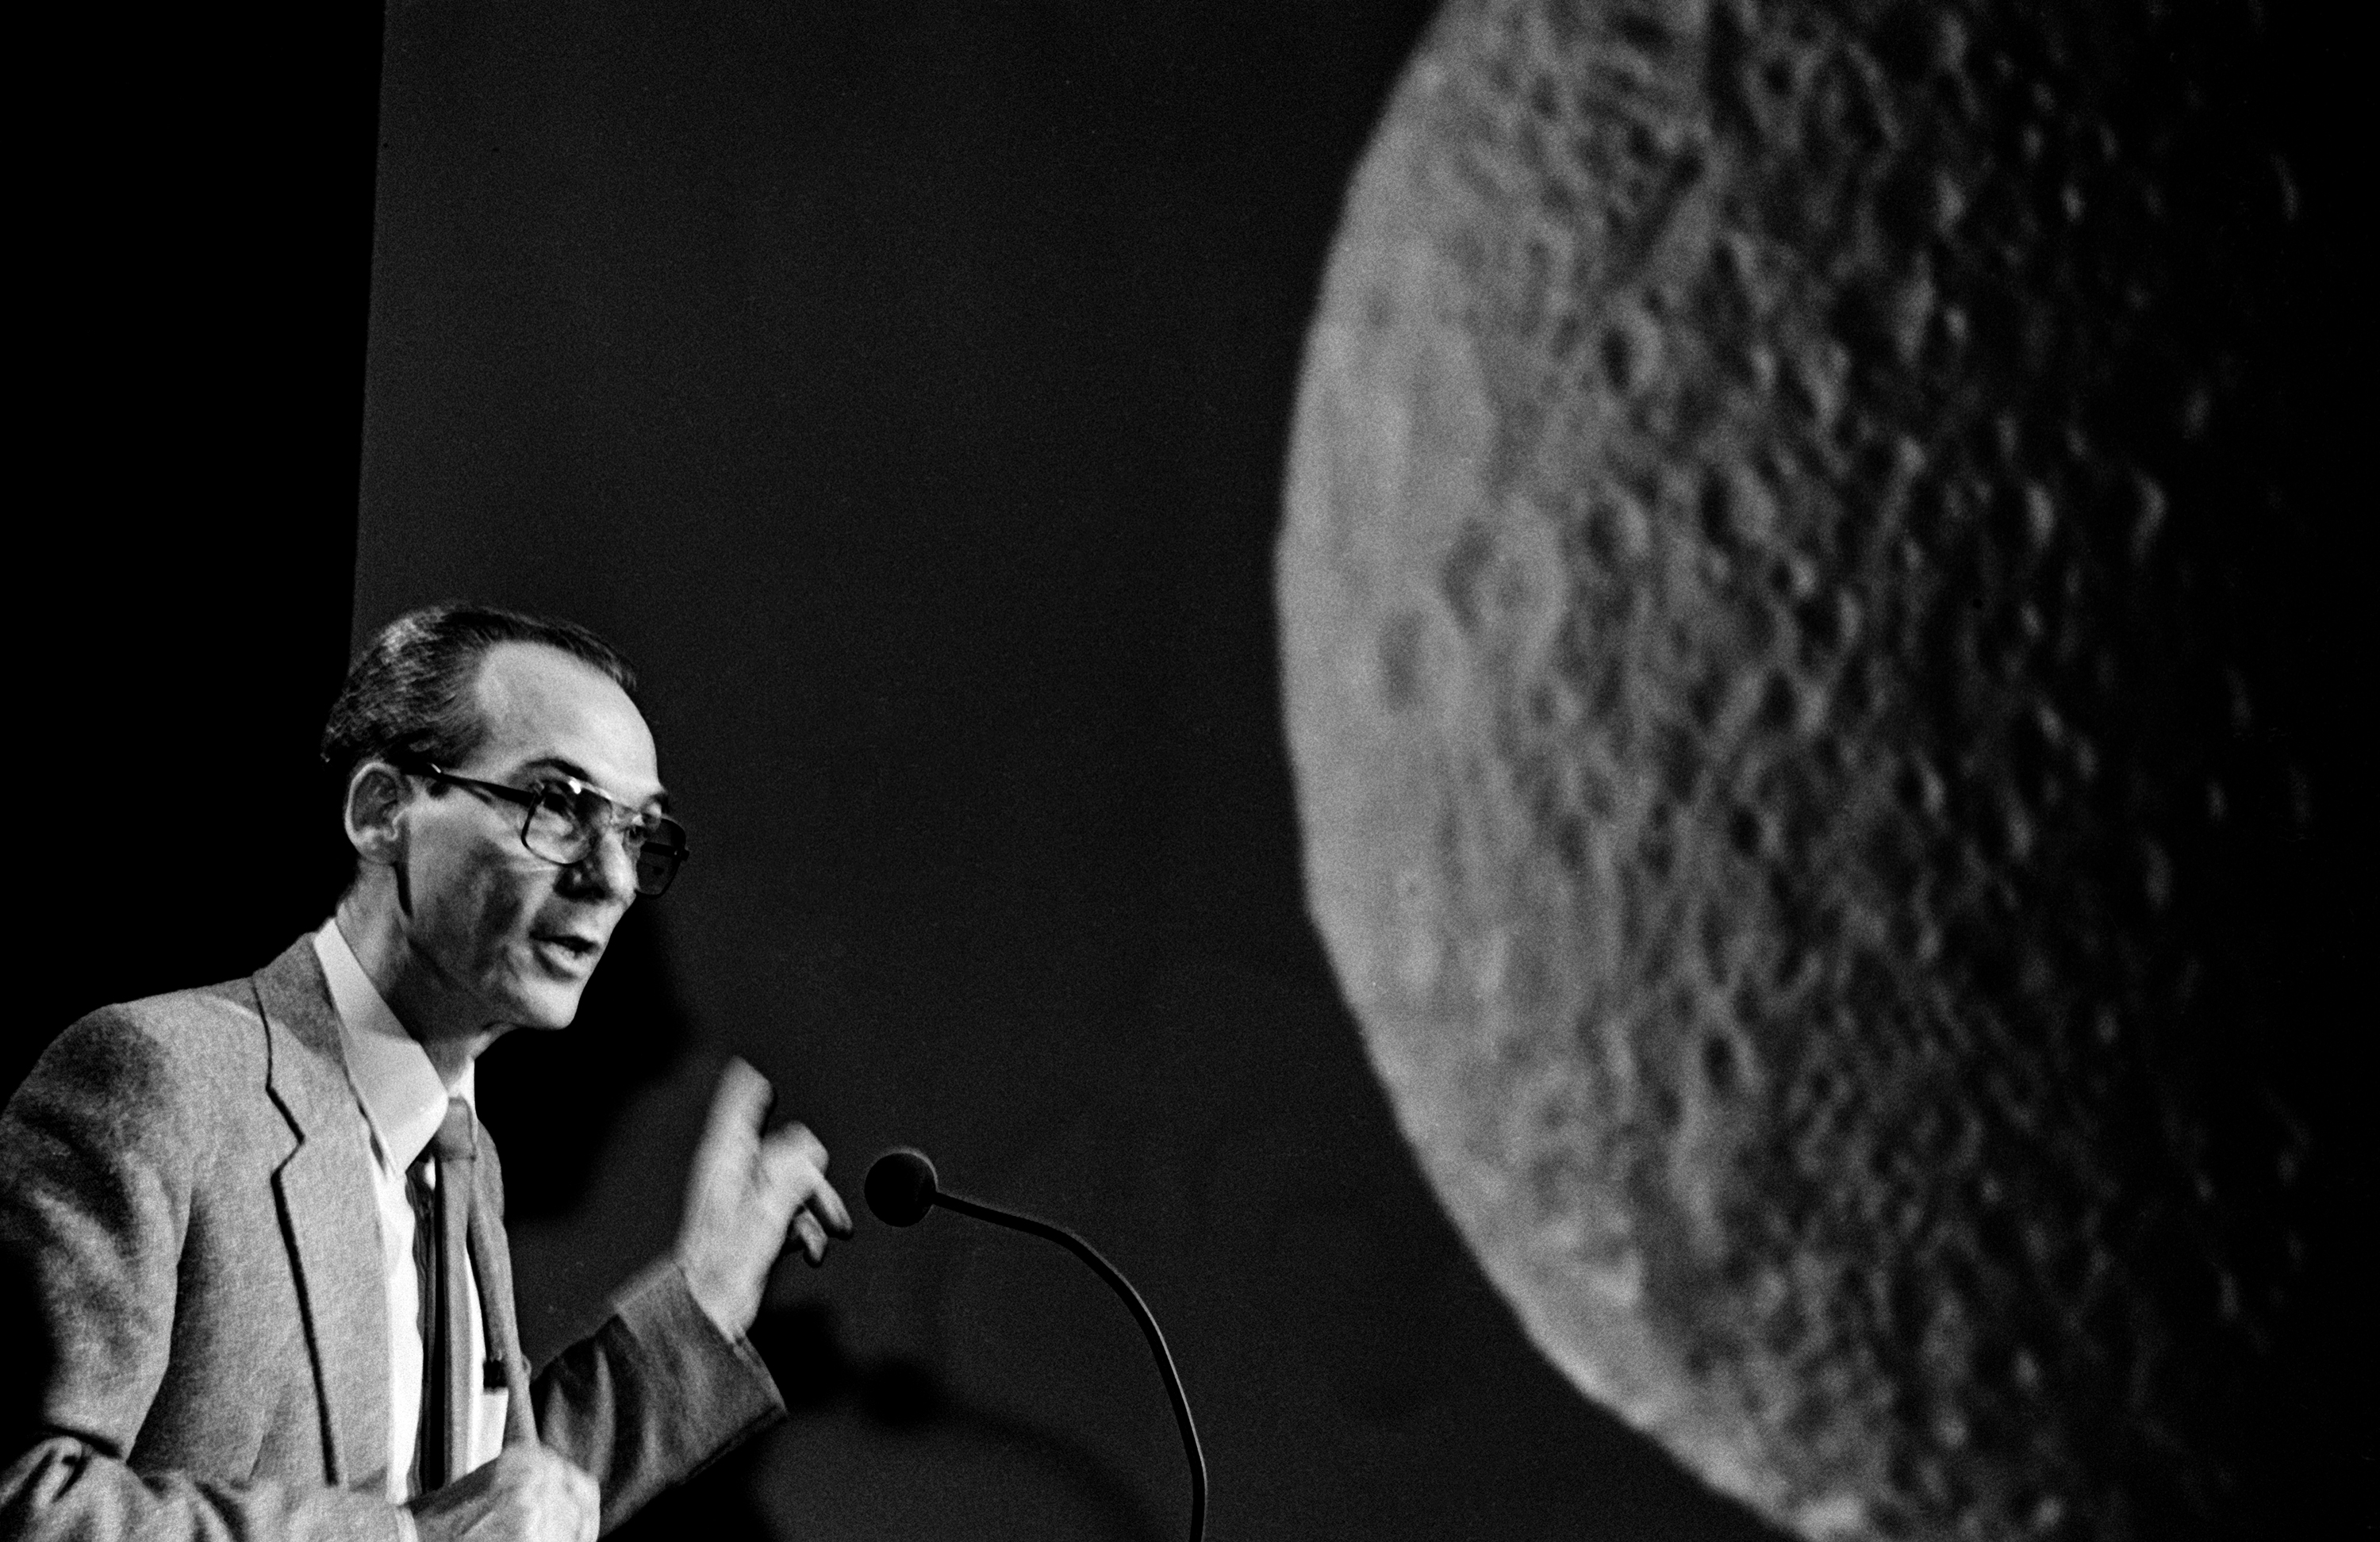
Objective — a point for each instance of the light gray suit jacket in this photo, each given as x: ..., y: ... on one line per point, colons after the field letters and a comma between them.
x: 185, y: 1182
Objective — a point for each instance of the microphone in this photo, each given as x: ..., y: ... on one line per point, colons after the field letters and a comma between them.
x: 901, y: 1188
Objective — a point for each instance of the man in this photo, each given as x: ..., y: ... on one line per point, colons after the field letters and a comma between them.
x: 261, y: 1224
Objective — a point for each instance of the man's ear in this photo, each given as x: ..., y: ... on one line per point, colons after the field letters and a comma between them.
x: 377, y: 792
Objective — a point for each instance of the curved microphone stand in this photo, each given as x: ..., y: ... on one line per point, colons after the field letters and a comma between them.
x: 901, y: 1188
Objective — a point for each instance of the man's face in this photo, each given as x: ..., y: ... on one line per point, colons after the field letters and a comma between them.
x: 506, y: 935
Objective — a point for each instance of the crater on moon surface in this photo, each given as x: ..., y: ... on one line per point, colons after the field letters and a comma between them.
x: 1780, y: 595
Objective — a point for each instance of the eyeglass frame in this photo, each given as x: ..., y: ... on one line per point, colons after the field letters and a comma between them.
x: 531, y: 802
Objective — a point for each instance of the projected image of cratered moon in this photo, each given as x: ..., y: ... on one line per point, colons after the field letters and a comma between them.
x: 1784, y: 596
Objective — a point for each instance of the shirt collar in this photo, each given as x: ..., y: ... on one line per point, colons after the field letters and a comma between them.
x: 402, y: 1098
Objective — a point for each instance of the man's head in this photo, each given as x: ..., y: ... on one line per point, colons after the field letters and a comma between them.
x: 468, y: 928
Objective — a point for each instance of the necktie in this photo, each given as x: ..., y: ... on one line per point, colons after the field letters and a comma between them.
x: 442, y: 1450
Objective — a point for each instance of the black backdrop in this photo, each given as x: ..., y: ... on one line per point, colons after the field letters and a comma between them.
x: 906, y: 389
x: 194, y: 228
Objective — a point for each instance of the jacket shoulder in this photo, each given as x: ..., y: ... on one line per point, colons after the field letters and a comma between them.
x: 206, y: 1029
x: 138, y: 1059
x: 200, y: 1009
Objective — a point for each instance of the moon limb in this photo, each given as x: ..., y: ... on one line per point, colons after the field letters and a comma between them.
x: 1727, y: 622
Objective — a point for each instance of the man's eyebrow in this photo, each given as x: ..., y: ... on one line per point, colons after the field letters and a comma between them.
x: 571, y: 768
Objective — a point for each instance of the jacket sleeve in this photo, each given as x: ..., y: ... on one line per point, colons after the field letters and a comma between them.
x: 98, y: 1153
x: 652, y: 1396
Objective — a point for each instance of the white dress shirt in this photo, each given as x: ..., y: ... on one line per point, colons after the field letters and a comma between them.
x: 403, y: 1102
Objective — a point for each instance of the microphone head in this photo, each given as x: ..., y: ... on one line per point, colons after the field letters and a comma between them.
x: 900, y: 1187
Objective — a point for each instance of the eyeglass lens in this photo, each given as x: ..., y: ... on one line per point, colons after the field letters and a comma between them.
x: 564, y: 828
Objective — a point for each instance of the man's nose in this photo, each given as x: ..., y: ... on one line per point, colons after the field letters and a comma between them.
x: 607, y: 869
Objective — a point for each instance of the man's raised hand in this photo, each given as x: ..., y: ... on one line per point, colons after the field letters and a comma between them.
x: 745, y: 1192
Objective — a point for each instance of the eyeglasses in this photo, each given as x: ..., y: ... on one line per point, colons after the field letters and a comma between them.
x: 564, y: 819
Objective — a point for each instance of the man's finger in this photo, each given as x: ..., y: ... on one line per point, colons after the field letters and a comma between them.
x: 740, y: 1102
x: 792, y: 1167
x: 811, y: 1237
x: 792, y: 1173
x: 830, y: 1208
x: 737, y: 1106
x: 797, y: 1140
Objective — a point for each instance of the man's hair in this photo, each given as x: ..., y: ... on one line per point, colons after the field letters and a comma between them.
x: 408, y: 693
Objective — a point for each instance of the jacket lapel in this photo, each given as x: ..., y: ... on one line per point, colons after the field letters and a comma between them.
x: 329, y: 1216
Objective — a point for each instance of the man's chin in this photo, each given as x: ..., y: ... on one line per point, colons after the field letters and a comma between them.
x: 545, y: 1007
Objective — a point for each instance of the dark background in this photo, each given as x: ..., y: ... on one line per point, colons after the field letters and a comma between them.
x: 906, y: 388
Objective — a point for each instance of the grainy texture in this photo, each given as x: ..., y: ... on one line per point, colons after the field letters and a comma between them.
x: 1784, y: 606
